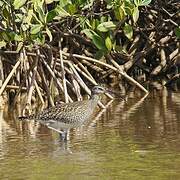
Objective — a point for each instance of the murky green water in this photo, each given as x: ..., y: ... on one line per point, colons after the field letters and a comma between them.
x: 137, y: 140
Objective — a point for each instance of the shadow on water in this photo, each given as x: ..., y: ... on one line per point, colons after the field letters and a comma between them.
x: 137, y: 139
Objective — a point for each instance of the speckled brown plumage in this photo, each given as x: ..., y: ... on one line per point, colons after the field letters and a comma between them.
x: 68, y: 115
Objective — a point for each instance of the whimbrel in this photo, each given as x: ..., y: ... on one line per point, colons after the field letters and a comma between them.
x: 68, y: 115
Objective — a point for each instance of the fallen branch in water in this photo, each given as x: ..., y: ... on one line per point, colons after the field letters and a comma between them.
x: 124, y: 74
x: 117, y: 68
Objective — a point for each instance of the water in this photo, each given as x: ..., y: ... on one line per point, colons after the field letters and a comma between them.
x: 138, y: 140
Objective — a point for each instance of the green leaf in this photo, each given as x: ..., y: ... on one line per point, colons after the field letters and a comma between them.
x: 72, y: 9
x: 145, y: 2
x: 37, y: 3
x: 135, y: 14
x: 51, y: 15
x: 11, y: 35
x: 38, y: 38
x: 81, y: 2
x: 137, y: 2
x: 25, y: 27
x: 36, y: 19
x: 18, y: 3
x: 48, y: 1
x: 97, y: 22
x: 108, y: 43
x: 87, y: 22
x: 142, y: 2
x: 18, y: 37
x: 103, y: 19
x: 49, y: 34
x: 24, y: 10
x: 106, y: 26
x: 177, y: 32
x: 2, y: 44
x: 128, y: 31
x: 41, y: 14
x: 129, y: 7
x: 119, y: 13
x: 18, y: 17
x: 29, y: 16
x: 61, y: 12
x: 89, y: 33
x: 84, y: 22
x: 93, y: 24
x: 99, y: 54
x: 35, y: 28
x: 63, y: 3
x: 88, y: 5
x: 27, y: 20
x: 6, y: 14
x: 5, y: 35
x: 98, y: 41
x: 1, y: 3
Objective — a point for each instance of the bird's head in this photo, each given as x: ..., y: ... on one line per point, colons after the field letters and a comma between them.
x: 98, y: 90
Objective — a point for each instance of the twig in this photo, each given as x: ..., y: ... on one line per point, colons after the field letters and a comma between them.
x: 11, y: 74
x: 33, y: 75
x: 92, y: 66
x: 82, y: 84
x: 41, y: 73
x: 110, y: 67
x: 90, y: 79
x: 39, y: 92
x: 79, y: 79
x: 55, y: 79
x: 63, y: 74
x: 162, y: 63
x: 58, y: 74
x: 15, y: 87
x: 83, y: 68
x: 173, y: 79
x: 134, y: 45
x: 124, y: 74
x: 1, y: 71
x: 173, y: 54
x: 85, y: 75
x: 166, y: 38
x: 76, y: 88
x: 90, y: 59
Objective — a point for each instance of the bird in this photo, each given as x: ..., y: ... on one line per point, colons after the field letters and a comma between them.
x: 68, y: 115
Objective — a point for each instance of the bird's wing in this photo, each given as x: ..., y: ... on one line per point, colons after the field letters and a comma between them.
x: 62, y: 111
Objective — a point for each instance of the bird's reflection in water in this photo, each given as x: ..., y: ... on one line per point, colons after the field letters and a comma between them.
x: 63, y: 148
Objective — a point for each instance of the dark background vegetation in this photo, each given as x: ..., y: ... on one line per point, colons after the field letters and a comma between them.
x: 63, y: 47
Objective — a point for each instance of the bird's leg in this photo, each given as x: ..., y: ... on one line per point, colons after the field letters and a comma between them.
x: 64, y: 135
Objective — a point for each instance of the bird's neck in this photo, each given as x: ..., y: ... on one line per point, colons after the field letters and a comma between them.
x: 95, y: 97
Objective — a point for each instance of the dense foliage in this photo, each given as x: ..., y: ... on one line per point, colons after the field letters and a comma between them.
x: 95, y: 39
x: 32, y: 22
